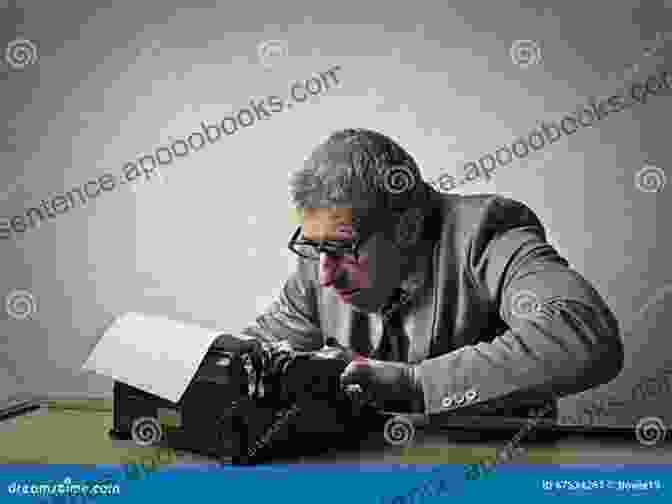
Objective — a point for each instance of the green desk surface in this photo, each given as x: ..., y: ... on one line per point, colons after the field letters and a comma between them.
x: 76, y: 432
x: 65, y: 432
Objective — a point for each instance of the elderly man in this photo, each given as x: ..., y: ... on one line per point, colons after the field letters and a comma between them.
x: 454, y: 303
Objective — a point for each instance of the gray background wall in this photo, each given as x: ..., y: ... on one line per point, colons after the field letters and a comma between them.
x: 207, y: 243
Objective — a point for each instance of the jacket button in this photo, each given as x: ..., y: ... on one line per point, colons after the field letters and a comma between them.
x: 471, y: 395
x: 447, y: 402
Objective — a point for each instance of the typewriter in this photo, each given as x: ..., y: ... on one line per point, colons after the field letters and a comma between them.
x: 248, y: 403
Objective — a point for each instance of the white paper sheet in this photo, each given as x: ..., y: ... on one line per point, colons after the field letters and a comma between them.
x: 152, y: 353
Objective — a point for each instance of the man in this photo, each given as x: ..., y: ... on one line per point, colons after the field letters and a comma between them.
x: 454, y: 303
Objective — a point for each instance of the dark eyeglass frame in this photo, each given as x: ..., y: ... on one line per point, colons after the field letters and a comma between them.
x: 335, y: 249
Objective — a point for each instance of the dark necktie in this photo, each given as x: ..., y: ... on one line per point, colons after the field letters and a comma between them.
x: 394, y: 343
x: 360, y: 340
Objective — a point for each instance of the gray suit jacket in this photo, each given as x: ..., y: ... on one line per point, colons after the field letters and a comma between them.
x: 479, y: 343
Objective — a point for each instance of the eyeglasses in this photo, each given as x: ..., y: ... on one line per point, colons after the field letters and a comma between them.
x: 310, y: 249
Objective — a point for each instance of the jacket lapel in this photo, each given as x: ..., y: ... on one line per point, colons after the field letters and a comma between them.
x: 419, y: 324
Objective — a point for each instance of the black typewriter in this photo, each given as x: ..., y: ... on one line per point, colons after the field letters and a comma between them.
x: 248, y: 403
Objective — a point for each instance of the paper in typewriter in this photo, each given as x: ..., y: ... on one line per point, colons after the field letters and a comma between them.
x: 152, y: 353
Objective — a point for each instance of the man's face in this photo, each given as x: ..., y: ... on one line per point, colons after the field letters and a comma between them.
x: 366, y: 283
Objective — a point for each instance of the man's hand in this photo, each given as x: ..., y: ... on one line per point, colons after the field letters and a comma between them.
x: 228, y: 342
x: 332, y: 349
x: 335, y: 352
x: 392, y: 386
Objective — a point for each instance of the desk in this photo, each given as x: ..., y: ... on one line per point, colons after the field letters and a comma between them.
x: 75, y: 432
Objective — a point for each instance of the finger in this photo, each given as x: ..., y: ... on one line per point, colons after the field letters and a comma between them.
x: 359, y: 360
x: 349, y: 379
x: 355, y: 368
x: 333, y: 351
x: 333, y: 342
x: 355, y: 374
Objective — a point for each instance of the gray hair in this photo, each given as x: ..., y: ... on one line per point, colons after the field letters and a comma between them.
x: 358, y: 168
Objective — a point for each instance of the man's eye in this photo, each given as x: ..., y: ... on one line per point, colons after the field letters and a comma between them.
x: 336, y: 247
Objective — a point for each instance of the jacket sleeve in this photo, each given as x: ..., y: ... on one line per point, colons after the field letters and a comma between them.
x: 293, y: 317
x: 562, y: 338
